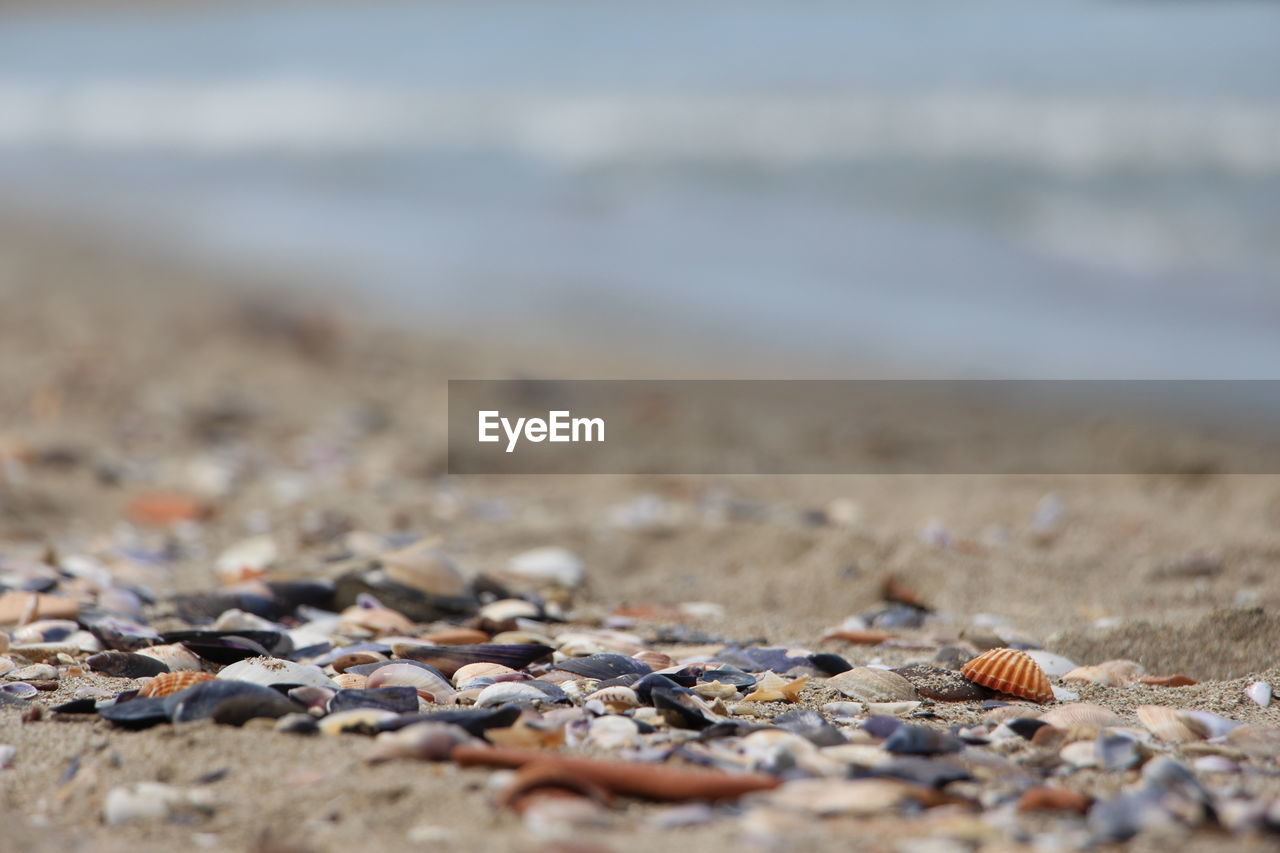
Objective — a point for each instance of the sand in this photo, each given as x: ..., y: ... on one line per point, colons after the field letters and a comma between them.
x: 118, y: 370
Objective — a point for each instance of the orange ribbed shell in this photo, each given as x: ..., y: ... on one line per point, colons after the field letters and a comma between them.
x: 1009, y: 671
x: 171, y: 682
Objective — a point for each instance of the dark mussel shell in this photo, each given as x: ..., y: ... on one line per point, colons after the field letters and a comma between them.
x: 476, y: 721
x: 367, y: 669
x: 329, y: 656
x: 226, y: 650
x: 736, y: 677
x: 231, y: 702
x: 829, y: 664
x: 1026, y: 726
x: 628, y: 680
x: 679, y: 711
x: 881, y: 725
x: 943, y: 685
x: 273, y: 643
x: 930, y: 772
x: 402, y: 700
x: 449, y: 659
x: 126, y: 665
x: 811, y: 726
x: 198, y: 607
x: 757, y: 659
x: 604, y: 667
x: 313, y: 592
x: 120, y: 634
x: 413, y: 603
x: 645, y: 686
x: 7, y: 701
x: 922, y: 740
x: 136, y: 713
x: 553, y: 692
x: 87, y: 705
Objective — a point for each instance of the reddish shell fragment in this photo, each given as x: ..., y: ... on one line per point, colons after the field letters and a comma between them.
x: 1176, y: 680
x: 165, y: 508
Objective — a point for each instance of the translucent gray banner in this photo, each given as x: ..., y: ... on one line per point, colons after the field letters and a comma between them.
x: 863, y: 427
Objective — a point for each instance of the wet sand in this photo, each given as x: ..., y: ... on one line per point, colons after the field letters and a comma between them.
x: 121, y: 373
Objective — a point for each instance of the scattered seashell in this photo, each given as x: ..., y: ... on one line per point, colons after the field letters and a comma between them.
x: 422, y: 566
x: 550, y: 565
x: 171, y: 682
x: 7, y: 754
x: 19, y: 689
x: 35, y: 672
x: 426, y: 741
x: 873, y: 685
x: 175, y: 656
x: 271, y: 671
x: 479, y: 670
x: 162, y: 508
x: 892, y: 709
x: 515, y: 692
x: 407, y: 675
x: 455, y: 637
x: 154, y: 801
x: 248, y: 559
x: 921, y: 740
x: 613, y: 732
x: 364, y: 721
x: 1256, y: 741
x: 773, y: 688
x: 379, y: 620
x: 1176, y: 680
x: 842, y: 797
x: 867, y: 637
x: 226, y: 702
x: 350, y: 681
x: 1169, y: 724
x: 1081, y: 715
x: 1095, y: 675
x: 1054, y: 666
x: 1044, y: 799
x: 1081, y: 753
x: 1259, y: 692
x: 1009, y: 671
x: 449, y: 659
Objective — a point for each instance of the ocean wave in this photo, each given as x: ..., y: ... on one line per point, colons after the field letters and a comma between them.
x: 1056, y: 133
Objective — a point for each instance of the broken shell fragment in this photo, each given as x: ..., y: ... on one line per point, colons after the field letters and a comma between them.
x: 1170, y: 724
x: 1009, y: 671
x: 1259, y: 692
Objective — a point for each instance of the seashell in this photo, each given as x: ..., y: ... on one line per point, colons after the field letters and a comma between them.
x: 504, y: 612
x: 1094, y: 675
x: 272, y: 671
x: 247, y: 559
x: 350, y: 681
x: 412, y: 603
x: 344, y: 662
x: 479, y: 670
x: 681, y: 709
x: 514, y: 692
x: 175, y: 656
x: 1118, y: 751
x: 1260, y: 692
x: 171, y: 682
x: 363, y: 721
x: 1003, y: 713
x: 1044, y: 799
x: 379, y: 620
x: 1256, y: 741
x: 539, y: 786
x: 35, y: 672
x: 164, y: 508
x: 1125, y: 670
x: 873, y: 685
x: 421, y: 741
x: 628, y: 778
x: 1081, y: 753
x: 19, y: 690
x: 1009, y: 671
x: 603, y: 667
x: 406, y: 675
x: 238, y: 620
x: 842, y: 797
x: 1170, y: 724
x: 228, y: 702
x: 922, y: 740
x: 136, y: 713
x: 652, y: 659
x: 720, y: 690
x: 892, y: 709
x: 772, y: 687
x: 401, y: 700
x: 297, y: 724
x: 42, y: 631
x: 455, y: 637
x: 1054, y: 666
x: 616, y: 699
x: 829, y: 664
x: 476, y: 721
x: 942, y: 685
x: 226, y: 649
x: 1211, y: 725
x: 865, y: 637
x: 613, y: 732
x: 554, y: 566
x: 312, y: 698
x: 424, y: 567
x: 1081, y: 715
x: 1176, y: 680
x: 449, y: 659
x: 843, y: 709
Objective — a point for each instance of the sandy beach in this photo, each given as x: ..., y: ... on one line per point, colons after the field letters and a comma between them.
x: 308, y: 420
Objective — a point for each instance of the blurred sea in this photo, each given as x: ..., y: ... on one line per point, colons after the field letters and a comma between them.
x: 1063, y: 188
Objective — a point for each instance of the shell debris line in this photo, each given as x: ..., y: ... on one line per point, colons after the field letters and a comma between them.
x: 900, y: 711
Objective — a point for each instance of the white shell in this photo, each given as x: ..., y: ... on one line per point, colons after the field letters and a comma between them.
x: 271, y: 671
x: 613, y: 732
x: 509, y: 691
x: 1053, y: 665
x: 423, y: 741
x: 1260, y: 692
x: 408, y: 675
x: 175, y: 656
x: 548, y: 565
x: 152, y: 801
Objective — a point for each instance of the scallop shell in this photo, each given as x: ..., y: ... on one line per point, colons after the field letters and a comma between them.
x: 1009, y: 671
x: 1082, y: 715
x: 175, y: 656
x: 351, y: 681
x: 1170, y: 724
x: 873, y: 685
x: 1094, y: 675
x: 271, y: 671
x: 171, y: 682
x: 408, y: 675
